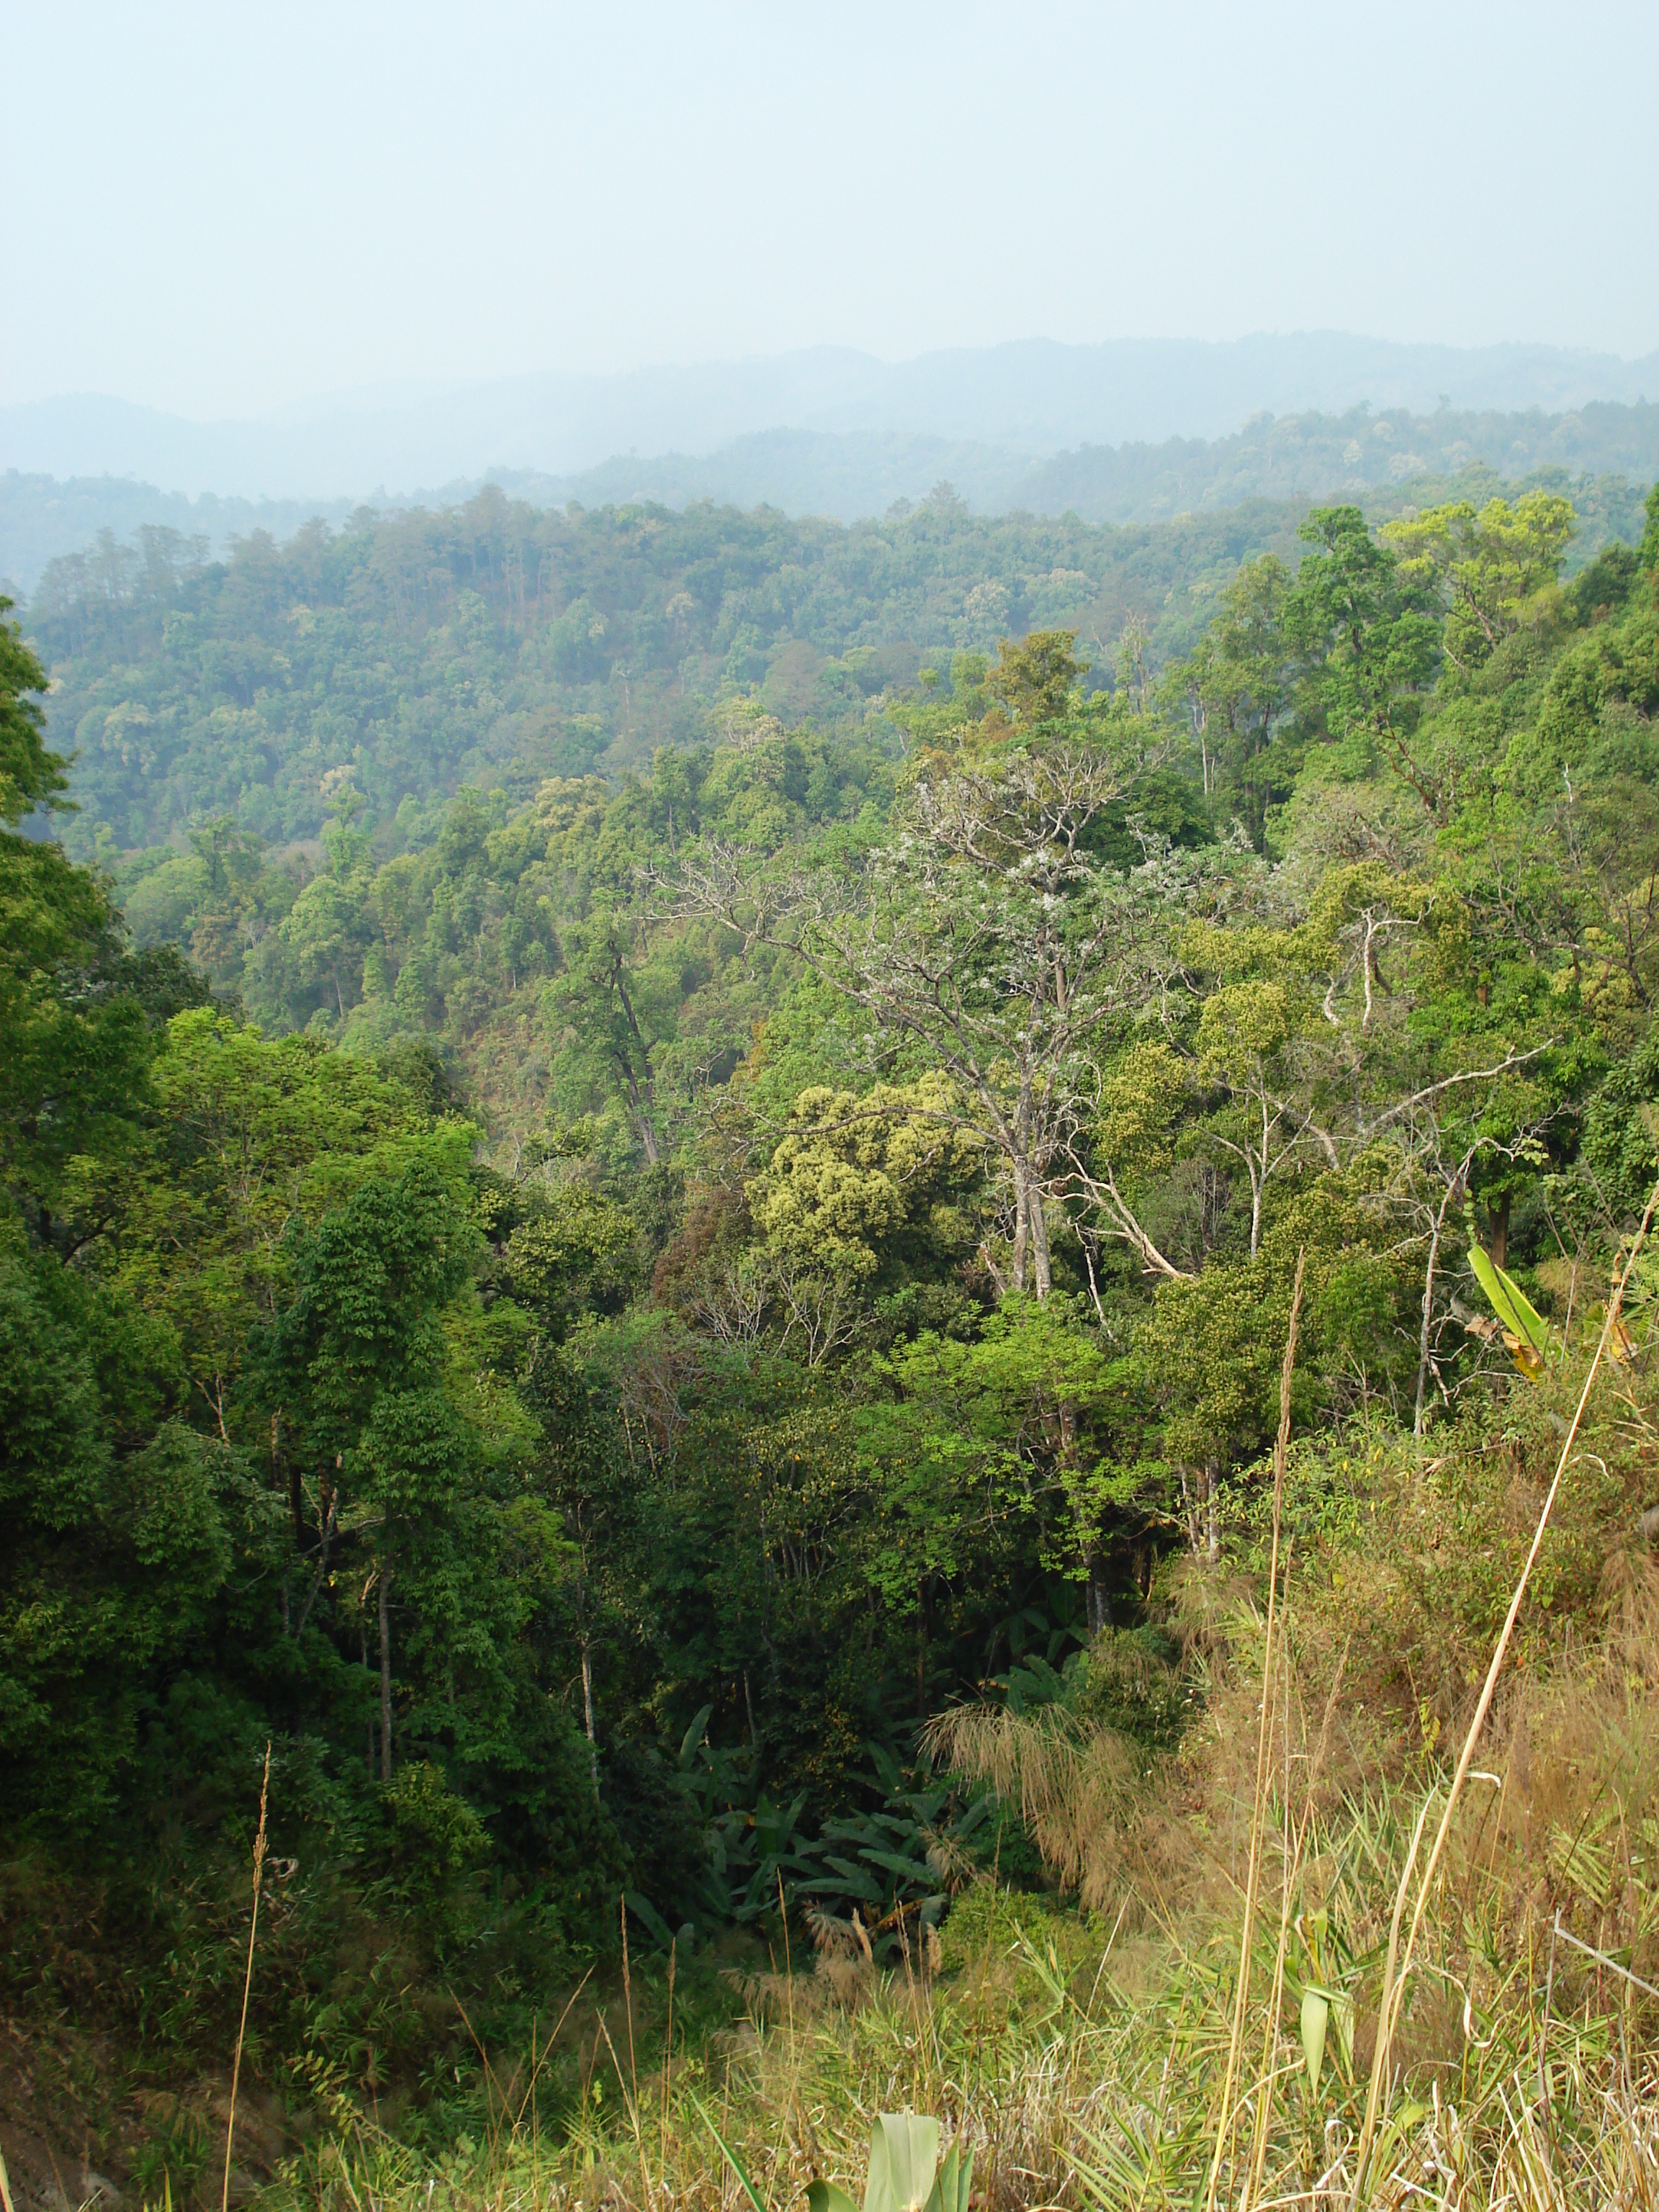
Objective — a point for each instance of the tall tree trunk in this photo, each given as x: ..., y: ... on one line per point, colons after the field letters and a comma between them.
x: 295, y: 1504
x: 330, y: 1499
x: 587, y: 1712
x: 922, y: 1649
x: 1189, y: 1508
x: 1421, y: 1413
x: 385, y: 1610
x: 644, y: 1108
x: 1098, y: 1608
x: 644, y: 1113
x: 1030, y: 1267
x: 1044, y: 1279
x: 1498, y: 1225
x: 363, y: 1653
x: 1022, y: 1227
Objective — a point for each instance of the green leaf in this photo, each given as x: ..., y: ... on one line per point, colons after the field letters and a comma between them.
x: 648, y: 1917
x: 857, y: 1880
x: 956, y: 2180
x: 728, y: 2154
x: 1316, y: 2018
x: 1119, y: 2178
x: 1509, y: 1302
x: 903, y: 2154
x: 1394, y: 2130
x: 896, y: 1863
x: 825, y: 2197
x: 693, y: 1737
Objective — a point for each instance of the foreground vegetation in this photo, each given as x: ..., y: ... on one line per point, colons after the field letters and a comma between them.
x: 1081, y: 2049
x: 706, y: 1384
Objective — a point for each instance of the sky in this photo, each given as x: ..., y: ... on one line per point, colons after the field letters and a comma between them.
x: 235, y: 210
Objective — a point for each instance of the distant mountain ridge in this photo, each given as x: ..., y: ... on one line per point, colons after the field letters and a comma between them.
x: 1371, y: 457
x: 1029, y: 399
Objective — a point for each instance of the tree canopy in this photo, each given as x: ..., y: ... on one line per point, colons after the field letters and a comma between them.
x: 585, y: 1307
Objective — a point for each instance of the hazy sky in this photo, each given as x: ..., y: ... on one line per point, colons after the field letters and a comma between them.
x: 229, y: 208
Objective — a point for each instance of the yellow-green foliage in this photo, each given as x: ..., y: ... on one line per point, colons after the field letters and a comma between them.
x: 991, y: 1926
x: 853, y: 1171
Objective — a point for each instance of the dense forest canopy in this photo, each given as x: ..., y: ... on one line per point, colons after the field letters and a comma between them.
x: 500, y: 643
x: 703, y: 1152
x: 1379, y: 455
x: 496, y: 644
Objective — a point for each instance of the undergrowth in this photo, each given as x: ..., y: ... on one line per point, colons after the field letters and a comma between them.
x: 1081, y: 2040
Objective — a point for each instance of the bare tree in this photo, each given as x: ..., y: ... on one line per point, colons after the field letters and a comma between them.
x: 729, y: 1300
x: 989, y: 936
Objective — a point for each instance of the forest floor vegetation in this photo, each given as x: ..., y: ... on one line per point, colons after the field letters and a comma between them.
x: 1079, y: 2040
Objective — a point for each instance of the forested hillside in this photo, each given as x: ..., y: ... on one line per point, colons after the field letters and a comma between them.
x: 502, y: 643
x: 497, y: 643
x: 1381, y: 455
x: 700, y: 1151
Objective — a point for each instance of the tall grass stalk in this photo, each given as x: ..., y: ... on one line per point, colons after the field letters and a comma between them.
x: 1226, y: 2118
x: 1396, y: 1969
x: 247, y: 1979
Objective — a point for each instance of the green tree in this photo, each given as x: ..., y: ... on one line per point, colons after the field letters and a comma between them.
x: 1236, y: 688
x: 31, y: 776
x: 613, y: 1007
x: 983, y: 1449
x: 1648, y: 552
x: 356, y: 1367
x: 1489, y: 569
x: 254, y: 1141
x: 987, y: 943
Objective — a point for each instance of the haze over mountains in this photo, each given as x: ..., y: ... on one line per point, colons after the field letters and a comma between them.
x: 1117, y: 432
x: 1032, y: 396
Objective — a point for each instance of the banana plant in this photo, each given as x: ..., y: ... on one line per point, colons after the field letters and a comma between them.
x: 1525, y: 1331
x: 904, y: 2174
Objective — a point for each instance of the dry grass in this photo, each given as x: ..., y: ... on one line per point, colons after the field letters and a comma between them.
x: 1090, y: 2090
x: 1083, y: 2059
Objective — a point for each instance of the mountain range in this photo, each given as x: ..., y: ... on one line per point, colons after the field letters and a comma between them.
x: 1129, y: 431
x: 1032, y: 397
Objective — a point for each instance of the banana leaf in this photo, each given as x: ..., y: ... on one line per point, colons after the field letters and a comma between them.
x: 1526, y: 1333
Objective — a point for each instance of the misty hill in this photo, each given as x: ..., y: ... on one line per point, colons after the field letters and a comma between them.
x: 852, y: 476
x: 1358, y: 454
x: 1032, y: 397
